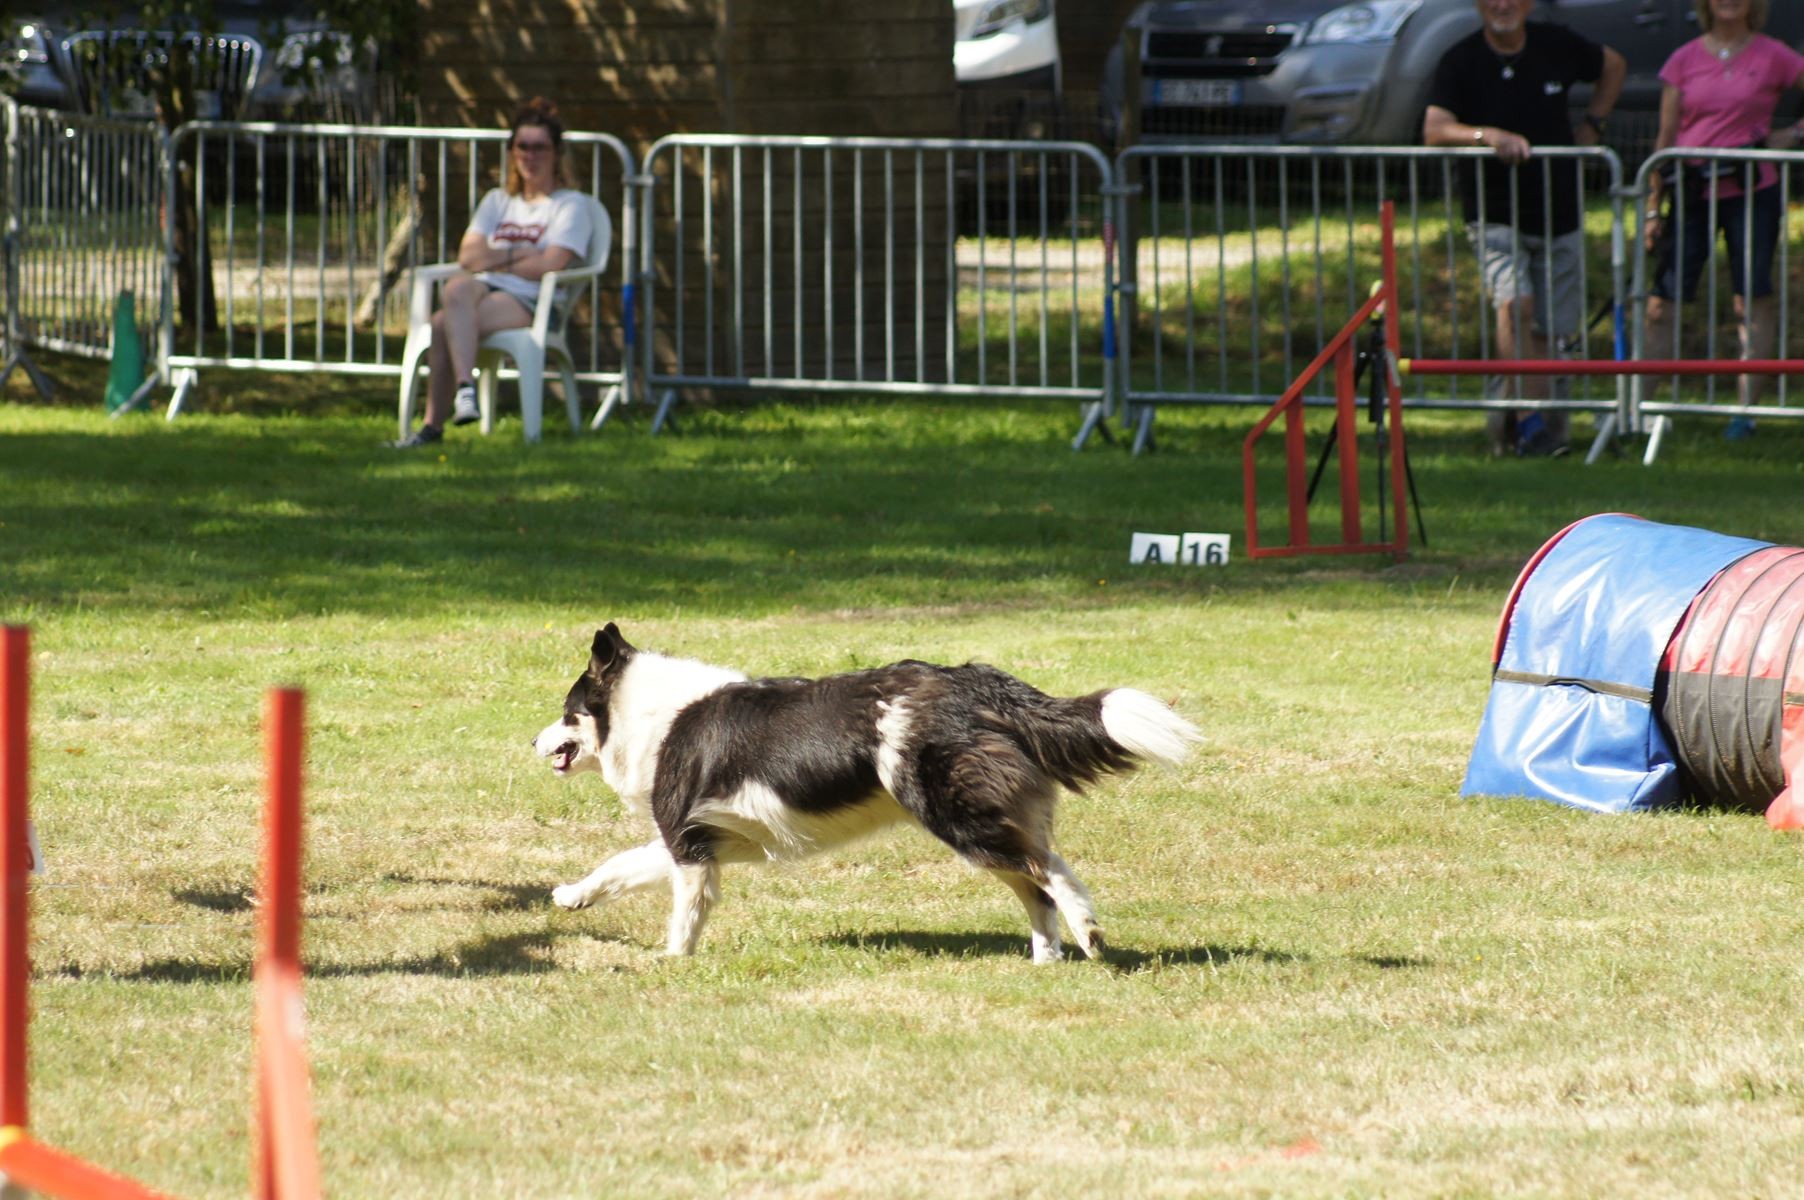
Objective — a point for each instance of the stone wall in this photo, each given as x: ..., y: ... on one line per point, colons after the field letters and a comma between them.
x: 655, y: 67
x: 643, y: 69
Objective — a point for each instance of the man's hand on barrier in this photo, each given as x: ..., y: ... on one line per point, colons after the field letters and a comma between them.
x: 1510, y: 147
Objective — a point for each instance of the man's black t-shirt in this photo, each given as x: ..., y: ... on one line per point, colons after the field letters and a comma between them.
x: 1524, y: 93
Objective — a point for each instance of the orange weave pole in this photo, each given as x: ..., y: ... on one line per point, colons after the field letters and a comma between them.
x: 15, y: 857
x: 40, y: 1168
x: 287, y: 1165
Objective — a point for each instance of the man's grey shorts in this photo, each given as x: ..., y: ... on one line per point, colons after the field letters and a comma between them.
x: 1516, y: 264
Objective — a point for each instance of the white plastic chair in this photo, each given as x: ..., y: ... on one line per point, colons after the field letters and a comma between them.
x: 529, y: 346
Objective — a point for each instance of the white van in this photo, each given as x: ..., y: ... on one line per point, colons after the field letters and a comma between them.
x: 1007, y: 44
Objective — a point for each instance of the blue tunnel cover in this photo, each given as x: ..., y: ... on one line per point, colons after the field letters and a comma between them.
x: 1571, y: 714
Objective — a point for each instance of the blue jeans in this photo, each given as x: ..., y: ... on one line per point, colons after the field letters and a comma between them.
x: 1690, y: 249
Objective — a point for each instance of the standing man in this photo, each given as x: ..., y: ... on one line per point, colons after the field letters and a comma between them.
x: 1505, y: 88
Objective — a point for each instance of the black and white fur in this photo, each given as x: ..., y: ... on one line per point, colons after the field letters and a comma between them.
x: 732, y: 769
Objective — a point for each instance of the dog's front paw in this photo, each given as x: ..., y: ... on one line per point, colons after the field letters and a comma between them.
x: 571, y: 895
x: 1095, y: 946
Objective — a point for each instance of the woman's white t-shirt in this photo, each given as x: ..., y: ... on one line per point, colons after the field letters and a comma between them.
x: 560, y: 219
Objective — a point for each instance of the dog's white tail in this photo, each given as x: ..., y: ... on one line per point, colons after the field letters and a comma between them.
x: 1143, y: 725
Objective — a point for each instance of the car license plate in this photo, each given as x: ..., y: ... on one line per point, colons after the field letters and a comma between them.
x: 1196, y: 93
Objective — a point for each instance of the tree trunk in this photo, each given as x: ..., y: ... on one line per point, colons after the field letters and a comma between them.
x: 195, y: 301
x: 397, y: 257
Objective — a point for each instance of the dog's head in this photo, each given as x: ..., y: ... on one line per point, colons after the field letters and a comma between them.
x: 573, y: 743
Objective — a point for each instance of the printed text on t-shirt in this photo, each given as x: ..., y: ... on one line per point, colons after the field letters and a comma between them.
x: 513, y: 231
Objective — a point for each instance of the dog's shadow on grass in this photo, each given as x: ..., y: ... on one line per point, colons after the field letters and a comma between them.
x: 937, y: 944
x: 491, y: 896
x: 1129, y: 959
x: 932, y: 944
x: 221, y: 900
x: 505, y: 954
x: 523, y: 953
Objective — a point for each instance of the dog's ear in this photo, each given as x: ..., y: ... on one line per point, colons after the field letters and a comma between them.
x: 609, y: 650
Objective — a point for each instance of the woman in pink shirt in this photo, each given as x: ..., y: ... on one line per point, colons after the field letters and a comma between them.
x: 1722, y: 89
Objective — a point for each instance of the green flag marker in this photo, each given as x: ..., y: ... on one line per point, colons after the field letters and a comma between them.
x: 128, y: 356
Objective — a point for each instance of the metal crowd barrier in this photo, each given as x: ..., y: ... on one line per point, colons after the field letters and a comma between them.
x: 846, y: 265
x: 311, y: 229
x: 1238, y: 263
x: 1711, y: 326
x: 876, y: 266
x: 81, y: 227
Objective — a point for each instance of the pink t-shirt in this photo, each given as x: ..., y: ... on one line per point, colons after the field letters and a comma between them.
x: 1731, y: 103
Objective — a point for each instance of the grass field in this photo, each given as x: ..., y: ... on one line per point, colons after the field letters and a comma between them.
x: 1329, y: 975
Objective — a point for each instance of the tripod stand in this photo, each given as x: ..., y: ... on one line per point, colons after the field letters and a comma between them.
x: 1373, y: 363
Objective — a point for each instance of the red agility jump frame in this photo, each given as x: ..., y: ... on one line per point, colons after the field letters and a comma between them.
x: 1339, y: 354
x: 287, y: 1166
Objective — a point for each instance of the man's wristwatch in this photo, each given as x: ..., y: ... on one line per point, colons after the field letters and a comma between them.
x: 1597, y: 123
x: 1478, y: 135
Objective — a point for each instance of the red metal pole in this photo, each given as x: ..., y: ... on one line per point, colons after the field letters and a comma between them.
x: 1296, y: 475
x: 1393, y: 341
x: 1593, y: 366
x: 1346, y: 437
x: 15, y: 854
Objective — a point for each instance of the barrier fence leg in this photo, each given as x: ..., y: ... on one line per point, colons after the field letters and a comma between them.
x: 16, y: 358
x: 1096, y: 420
x: 183, y: 381
x: 609, y: 402
x: 1656, y: 433
x: 664, y: 416
x: 1606, y: 434
x: 1143, y: 427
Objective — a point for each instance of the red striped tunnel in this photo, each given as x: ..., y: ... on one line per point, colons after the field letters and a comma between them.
x: 1733, y: 685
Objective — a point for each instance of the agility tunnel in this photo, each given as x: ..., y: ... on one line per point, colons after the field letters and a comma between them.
x: 1639, y: 665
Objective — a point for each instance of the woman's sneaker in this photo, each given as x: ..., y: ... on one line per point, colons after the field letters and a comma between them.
x: 464, y: 408
x: 425, y: 435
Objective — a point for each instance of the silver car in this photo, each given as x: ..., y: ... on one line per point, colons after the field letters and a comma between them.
x: 1316, y: 71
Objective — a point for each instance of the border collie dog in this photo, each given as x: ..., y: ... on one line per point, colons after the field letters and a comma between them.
x: 732, y: 769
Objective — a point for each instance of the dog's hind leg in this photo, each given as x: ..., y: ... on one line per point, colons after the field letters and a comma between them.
x: 994, y: 806
x: 1042, y: 916
x: 1073, y: 899
x: 632, y: 870
x: 694, y: 889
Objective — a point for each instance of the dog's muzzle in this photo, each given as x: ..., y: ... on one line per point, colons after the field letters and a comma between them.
x: 556, y: 744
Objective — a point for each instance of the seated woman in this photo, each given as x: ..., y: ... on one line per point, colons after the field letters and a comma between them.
x: 1722, y: 89
x: 536, y: 224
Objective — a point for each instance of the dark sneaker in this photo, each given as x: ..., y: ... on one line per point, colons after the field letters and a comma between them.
x: 425, y: 435
x: 1533, y: 438
x: 1538, y: 444
x: 464, y: 408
